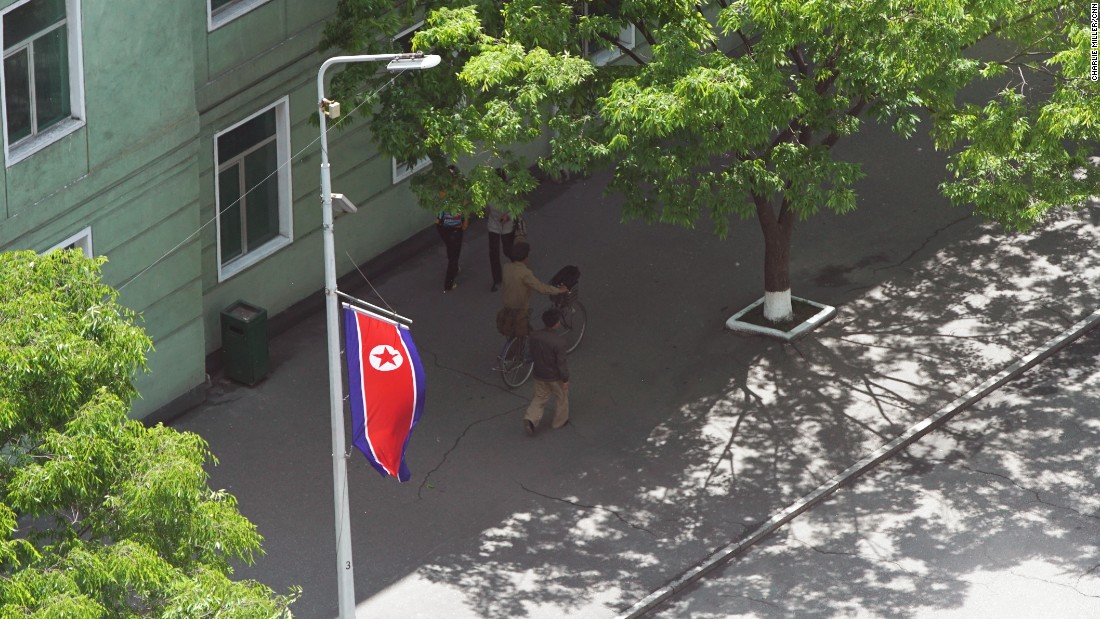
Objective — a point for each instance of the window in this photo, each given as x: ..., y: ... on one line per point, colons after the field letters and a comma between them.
x: 597, y: 52
x: 81, y: 240
x: 252, y: 189
x: 42, y: 77
x: 401, y: 171
x: 221, y: 12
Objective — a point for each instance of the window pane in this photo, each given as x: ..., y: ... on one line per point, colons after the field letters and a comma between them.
x: 229, y: 190
x: 246, y: 136
x: 262, y: 202
x: 51, y: 78
x: 217, y: 4
x: 30, y: 19
x: 17, y: 95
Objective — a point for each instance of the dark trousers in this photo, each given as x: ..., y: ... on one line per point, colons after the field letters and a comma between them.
x: 452, y: 239
x: 494, y: 252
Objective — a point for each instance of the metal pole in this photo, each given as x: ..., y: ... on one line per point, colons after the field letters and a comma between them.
x: 344, y: 567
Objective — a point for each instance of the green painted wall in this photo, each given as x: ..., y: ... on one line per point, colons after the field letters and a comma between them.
x: 129, y: 173
x: 232, y: 91
x: 158, y: 86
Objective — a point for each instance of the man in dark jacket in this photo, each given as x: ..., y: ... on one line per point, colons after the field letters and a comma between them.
x: 551, y: 374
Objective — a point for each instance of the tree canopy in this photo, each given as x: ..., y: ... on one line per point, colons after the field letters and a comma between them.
x: 721, y: 110
x: 101, y: 516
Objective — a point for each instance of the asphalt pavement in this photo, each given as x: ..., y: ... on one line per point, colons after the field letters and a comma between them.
x: 683, y: 437
x: 996, y: 514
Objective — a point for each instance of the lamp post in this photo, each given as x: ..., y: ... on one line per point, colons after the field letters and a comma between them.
x: 345, y: 571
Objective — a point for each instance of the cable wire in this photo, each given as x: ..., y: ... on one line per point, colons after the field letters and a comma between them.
x: 286, y: 163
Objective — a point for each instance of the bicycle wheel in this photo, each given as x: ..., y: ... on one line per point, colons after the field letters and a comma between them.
x: 574, y: 319
x: 515, y: 362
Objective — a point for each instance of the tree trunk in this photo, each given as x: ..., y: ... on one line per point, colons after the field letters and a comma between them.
x: 777, y: 229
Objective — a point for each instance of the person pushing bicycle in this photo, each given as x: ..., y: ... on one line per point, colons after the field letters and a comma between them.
x: 518, y: 284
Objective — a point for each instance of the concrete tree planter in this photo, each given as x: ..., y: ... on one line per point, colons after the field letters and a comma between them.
x: 809, y: 315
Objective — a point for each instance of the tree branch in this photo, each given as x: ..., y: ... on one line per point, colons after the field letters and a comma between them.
x: 645, y: 32
x: 745, y: 40
x: 796, y: 55
x: 623, y: 48
x: 784, y: 207
x: 855, y: 110
x: 1000, y: 27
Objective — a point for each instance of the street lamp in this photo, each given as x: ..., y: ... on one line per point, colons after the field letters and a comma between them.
x: 345, y: 572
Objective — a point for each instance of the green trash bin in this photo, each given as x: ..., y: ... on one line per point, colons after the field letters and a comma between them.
x: 244, y: 342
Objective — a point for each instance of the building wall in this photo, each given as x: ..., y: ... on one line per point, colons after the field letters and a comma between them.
x: 159, y: 85
x: 129, y: 174
x: 243, y: 72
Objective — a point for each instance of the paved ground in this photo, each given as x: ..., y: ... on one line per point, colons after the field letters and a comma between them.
x: 995, y: 515
x: 684, y: 436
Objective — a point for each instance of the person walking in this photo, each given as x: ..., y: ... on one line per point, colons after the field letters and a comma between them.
x: 518, y: 282
x: 451, y: 227
x: 502, y: 235
x: 551, y: 374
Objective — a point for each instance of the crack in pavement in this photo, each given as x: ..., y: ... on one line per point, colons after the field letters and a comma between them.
x: 1051, y: 582
x: 1038, y: 499
x: 435, y: 362
x: 494, y: 385
x: 751, y: 599
x: 614, y: 513
x: 927, y: 240
x: 1087, y: 573
x: 458, y: 439
x: 855, y: 554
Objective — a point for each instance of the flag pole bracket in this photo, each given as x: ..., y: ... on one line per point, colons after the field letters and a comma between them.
x: 378, y: 310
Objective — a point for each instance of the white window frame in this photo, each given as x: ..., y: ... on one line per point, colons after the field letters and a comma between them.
x: 602, y: 56
x: 229, y: 12
x: 81, y: 240
x: 403, y: 171
x: 34, y: 143
x: 400, y: 170
x: 286, y: 219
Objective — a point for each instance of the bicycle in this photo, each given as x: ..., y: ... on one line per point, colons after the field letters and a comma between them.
x: 515, y: 362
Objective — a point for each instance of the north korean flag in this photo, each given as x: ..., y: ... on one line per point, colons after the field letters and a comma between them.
x: 386, y: 388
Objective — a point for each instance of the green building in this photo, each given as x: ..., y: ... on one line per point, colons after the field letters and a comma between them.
x: 174, y: 139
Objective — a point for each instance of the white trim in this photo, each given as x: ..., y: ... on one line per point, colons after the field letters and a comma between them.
x: 34, y: 143
x: 777, y: 305
x: 407, y: 171
x: 400, y: 171
x: 825, y: 313
x: 229, y: 12
x: 602, y: 56
x: 412, y: 28
x: 81, y: 240
x: 286, y: 219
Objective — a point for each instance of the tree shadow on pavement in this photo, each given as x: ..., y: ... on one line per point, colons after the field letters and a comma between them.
x: 995, y: 515
x: 727, y: 445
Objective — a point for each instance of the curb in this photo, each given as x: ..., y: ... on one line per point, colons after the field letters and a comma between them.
x: 825, y: 314
x: 724, y: 554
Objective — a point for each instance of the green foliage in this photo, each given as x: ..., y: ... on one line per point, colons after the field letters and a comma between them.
x: 100, y: 515
x: 730, y: 108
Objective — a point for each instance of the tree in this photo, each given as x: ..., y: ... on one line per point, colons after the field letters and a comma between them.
x: 100, y: 515
x: 731, y: 109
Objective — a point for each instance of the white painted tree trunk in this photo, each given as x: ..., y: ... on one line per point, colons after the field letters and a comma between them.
x: 777, y: 305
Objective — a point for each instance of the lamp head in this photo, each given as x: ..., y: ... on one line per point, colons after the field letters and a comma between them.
x: 414, y: 61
